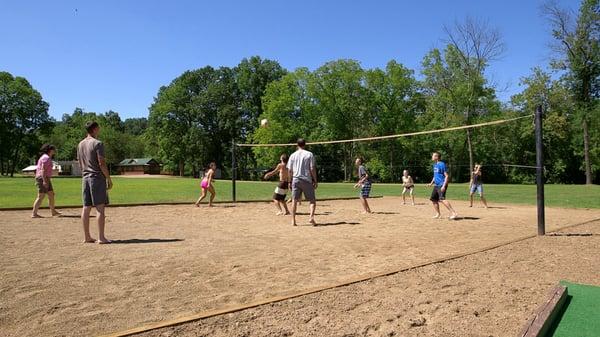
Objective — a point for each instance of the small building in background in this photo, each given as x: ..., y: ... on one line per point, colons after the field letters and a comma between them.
x: 30, y: 170
x: 132, y: 166
x: 69, y: 168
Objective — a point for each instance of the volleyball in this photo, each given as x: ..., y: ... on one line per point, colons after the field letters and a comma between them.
x: 264, y: 123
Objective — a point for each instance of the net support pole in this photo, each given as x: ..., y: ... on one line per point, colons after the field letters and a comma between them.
x: 233, y: 171
x: 539, y: 159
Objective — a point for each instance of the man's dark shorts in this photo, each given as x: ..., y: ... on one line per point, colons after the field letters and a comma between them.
x: 300, y: 186
x: 94, y: 191
x: 281, y: 191
x: 39, y: 182
x: 437, y: 194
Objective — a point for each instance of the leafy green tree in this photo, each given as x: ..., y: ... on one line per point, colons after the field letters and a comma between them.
x: 454, y: 96
x: 555, y: 99
x: 578, y: 48
x: 135, y: 126
x: 395, y: 101
x: 196, y: 117
x: 340, y: 100
x: 70, y: 130
x: 252, y: 77
x: 288, y: 109
x: 338, y: 89
x: 473, y: 45
x: 23, y: 114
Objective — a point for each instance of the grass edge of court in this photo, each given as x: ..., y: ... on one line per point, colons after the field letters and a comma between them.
x: 177, y: 203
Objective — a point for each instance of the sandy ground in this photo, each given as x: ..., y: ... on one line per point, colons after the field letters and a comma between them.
x: 172, y: 261
x: 488, y: 294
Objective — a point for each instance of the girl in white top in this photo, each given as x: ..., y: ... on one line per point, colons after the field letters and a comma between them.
x: 409, y: 186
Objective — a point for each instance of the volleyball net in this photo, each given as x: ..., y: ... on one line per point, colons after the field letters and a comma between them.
x: 395, y: 136
x: 387, y: 156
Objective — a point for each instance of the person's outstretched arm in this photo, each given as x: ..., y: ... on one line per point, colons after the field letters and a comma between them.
x: 270, y: 174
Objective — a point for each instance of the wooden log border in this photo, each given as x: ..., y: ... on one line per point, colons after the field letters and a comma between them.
x: 539, y: 325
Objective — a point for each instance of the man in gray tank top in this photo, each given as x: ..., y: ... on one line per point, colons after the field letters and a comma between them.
x: 303, y: 175
x: 95, y: 182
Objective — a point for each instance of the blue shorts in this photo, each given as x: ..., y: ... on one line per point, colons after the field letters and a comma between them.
x: 477, y: 188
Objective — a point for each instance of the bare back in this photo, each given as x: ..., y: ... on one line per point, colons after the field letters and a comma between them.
x: 283, y: 172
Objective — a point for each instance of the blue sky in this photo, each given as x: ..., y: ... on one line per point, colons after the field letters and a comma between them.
x: 101, y: 55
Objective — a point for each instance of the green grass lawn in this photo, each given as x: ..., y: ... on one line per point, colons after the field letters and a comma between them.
x: 20, y: 192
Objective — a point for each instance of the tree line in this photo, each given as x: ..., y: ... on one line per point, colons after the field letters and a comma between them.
x: 198, y: 116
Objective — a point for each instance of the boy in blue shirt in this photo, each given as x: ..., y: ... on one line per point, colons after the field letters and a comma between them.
x: 440, y: 185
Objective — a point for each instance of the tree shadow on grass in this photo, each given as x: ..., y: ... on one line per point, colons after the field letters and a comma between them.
x: 129, y: 241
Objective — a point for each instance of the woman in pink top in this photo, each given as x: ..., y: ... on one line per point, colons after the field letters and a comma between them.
x: 43, y: 180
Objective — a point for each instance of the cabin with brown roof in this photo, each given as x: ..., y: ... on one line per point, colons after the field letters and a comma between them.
x: 133, y: 166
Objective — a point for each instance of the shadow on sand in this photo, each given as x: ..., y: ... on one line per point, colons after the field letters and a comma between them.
x: 128, y: 241
x: 571, y: 234
x: 324, y: 224
x: 74, y: 216
x: 322, y: 213
x: 459, y: 218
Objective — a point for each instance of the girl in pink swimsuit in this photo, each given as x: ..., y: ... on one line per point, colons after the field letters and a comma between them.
x: 206, y: 185
x: 43, y: 180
